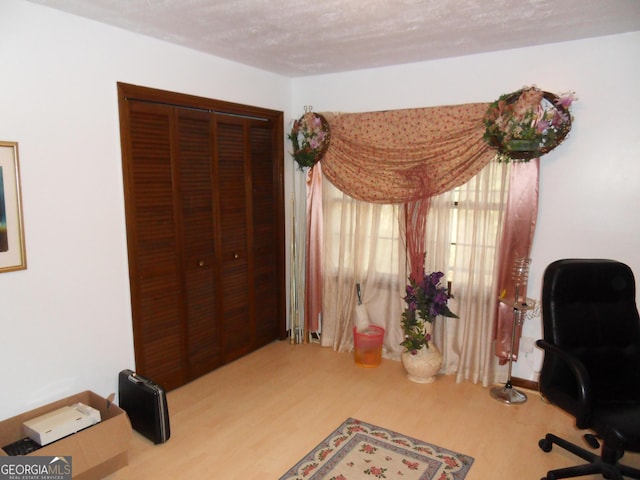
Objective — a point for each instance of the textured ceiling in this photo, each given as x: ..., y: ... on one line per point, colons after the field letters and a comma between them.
x: 310, y: 37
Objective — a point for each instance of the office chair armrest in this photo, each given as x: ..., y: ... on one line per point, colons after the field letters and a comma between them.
x: 582, y: 380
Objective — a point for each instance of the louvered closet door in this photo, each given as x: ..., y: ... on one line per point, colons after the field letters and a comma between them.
x: 198, y: 249
x: 153, y: 230
x: 174, y: 295
x: 205, y: 230
x: 233, y: 182
x: 265, y: 233
x: 249, y: 236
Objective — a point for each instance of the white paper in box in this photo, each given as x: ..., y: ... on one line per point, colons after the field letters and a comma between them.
x: 60, y: 423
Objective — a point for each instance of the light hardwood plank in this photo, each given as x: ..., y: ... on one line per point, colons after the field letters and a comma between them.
x: 256, y: 417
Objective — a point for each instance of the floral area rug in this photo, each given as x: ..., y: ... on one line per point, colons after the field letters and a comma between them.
x: 357, y: 450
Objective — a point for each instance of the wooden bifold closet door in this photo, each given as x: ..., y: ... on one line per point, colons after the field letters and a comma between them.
x: 205, y: 230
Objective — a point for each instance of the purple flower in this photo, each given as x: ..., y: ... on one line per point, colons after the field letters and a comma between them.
x: 566, y: 99
x: 542, y: 125
x: 435, y: 278
x: 426, y: 299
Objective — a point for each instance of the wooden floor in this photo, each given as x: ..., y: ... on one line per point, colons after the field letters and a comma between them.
x: 256, y: 417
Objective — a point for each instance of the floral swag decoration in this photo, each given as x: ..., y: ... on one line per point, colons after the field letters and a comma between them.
x: 426, y: 300
x: 310, y: 137
x: 527, y: 123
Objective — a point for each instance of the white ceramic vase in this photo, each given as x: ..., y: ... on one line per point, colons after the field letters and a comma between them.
x: 423, y: 365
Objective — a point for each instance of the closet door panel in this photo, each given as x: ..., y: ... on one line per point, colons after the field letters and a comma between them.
x: 198, y: 241
x: 266, y: 256
x: 234, y: 259
x: 153, y: 258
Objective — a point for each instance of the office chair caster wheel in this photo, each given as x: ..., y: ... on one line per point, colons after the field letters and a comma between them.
x: 592, y: 440
x: 545, y: 445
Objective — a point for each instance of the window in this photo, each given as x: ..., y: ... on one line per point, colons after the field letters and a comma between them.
x: 351, y: 225
x: 363, y: 242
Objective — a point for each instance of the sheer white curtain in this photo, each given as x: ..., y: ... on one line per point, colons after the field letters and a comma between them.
x: 364, y: 242
x: 361, y: 245
x: 463, y: 235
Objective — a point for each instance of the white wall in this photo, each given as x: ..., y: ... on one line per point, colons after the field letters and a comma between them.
x: 590, y: 185
x: 65, y: 322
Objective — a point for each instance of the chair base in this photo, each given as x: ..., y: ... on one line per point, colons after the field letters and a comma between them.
x: 605, y: 464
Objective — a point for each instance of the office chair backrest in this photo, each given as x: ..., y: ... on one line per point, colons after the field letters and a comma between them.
x: 590, y: 303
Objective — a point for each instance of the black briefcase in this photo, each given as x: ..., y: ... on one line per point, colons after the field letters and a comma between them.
x: 146, y: 405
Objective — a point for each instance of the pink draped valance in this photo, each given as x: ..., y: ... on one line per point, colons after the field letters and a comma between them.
x: 398, y: 156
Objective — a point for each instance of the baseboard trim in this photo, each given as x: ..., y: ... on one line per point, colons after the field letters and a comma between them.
x: 522, y: 383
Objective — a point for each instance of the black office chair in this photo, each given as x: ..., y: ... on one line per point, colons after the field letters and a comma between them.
x: 591, y: 366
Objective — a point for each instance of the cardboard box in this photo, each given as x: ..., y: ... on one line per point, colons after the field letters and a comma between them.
x: 96, y: 451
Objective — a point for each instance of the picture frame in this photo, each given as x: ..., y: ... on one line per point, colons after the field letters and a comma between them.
x: 12, y: 246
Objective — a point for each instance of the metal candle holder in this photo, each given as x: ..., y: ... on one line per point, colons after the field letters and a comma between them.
x: 508, y: 394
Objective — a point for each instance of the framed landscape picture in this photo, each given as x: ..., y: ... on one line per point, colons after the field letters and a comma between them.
x: 12, y: 250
